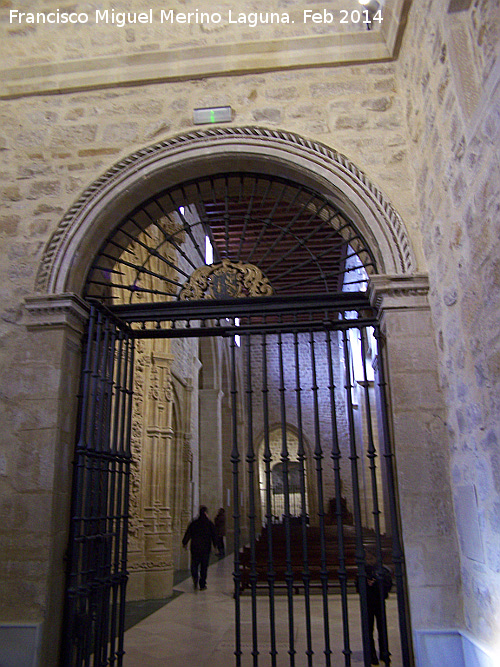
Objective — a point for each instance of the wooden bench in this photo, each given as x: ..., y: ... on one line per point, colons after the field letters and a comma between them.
x: 297, y: 573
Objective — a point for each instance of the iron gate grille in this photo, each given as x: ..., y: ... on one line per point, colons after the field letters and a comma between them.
x: 298, y: 238
x: 97, y: 553
x: 305, y: 362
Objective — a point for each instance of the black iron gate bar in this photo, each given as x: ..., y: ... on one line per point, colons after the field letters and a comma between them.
x: 336, y: 457
x: 397, y: 545
x: 235, y: 461
x: 371, y: 455
x: 318, y: 456
x: 306, y: 576
x: 250, y: 459
x: 360, y: 551
x: 271, y: 576
x: 177, y: 319
x: 318, y: 459
x: 284, y: 460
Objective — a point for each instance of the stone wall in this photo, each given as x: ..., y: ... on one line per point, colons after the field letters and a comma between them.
x: 79, y: 47
x: 55, y: 146
x: 449, y: 71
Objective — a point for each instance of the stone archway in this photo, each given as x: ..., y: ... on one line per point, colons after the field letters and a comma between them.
x: 69, y: 253
x: 70, y: 250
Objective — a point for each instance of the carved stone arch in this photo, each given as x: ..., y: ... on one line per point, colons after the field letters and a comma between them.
x: 94, y: 215
x: 290, y: 428
x: 275, y: 427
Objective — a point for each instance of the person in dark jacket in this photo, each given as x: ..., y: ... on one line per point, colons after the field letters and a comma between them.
x: 378, y: 586
x: 201, y: 532
x: 220, y: 531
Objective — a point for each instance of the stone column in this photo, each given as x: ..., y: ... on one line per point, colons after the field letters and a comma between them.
x: 156, y: 477
x: 420, y: 442
x: 49, y: 371
x: 210, y: 436
x: 150, y: 546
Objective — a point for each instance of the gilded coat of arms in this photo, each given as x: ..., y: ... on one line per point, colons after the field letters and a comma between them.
x: 226, y: 280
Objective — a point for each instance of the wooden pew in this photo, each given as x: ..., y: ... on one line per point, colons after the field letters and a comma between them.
x: 295, y: 571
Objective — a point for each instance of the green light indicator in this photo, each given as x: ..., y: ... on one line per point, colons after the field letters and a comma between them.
x: 212, y: 115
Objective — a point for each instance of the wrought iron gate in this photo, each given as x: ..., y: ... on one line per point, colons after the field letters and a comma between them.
x: 97, y: 553
x: 313, y: 492
x: 295, y: 365
x: 299, y: 367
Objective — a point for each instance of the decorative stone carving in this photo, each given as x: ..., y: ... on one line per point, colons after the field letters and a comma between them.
x: 154, y: 383
x: 149, y: 565
x: 227, y: 280
x: 55, y: 310
x: 387, y: 291
x: 173, y: 228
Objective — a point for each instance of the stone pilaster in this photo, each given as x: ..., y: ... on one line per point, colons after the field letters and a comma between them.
x: 150, y: 554
x: 420, y: 442
x: 51, y: 370
x: 52, y: 311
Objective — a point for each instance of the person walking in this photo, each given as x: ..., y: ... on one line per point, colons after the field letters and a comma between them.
x: 201, y: 533
x: 220, y: 531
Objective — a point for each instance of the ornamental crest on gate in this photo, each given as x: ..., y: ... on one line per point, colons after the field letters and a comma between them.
x: 226, y: 280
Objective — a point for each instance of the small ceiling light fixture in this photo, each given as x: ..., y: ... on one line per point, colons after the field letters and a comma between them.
x: 372, y: 10
x: 371, y: 5
x: 212, y: 115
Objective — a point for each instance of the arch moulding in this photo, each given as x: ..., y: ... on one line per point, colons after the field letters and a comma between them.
x: 149, y: 170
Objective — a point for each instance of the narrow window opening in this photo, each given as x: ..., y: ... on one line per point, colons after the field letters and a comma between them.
x: 209, y: 251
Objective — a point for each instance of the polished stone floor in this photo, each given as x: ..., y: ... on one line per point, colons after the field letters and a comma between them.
x: 196, y: 628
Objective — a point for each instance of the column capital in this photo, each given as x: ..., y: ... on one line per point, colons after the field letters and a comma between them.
x: 55, y: 311
x: 399, y: 291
